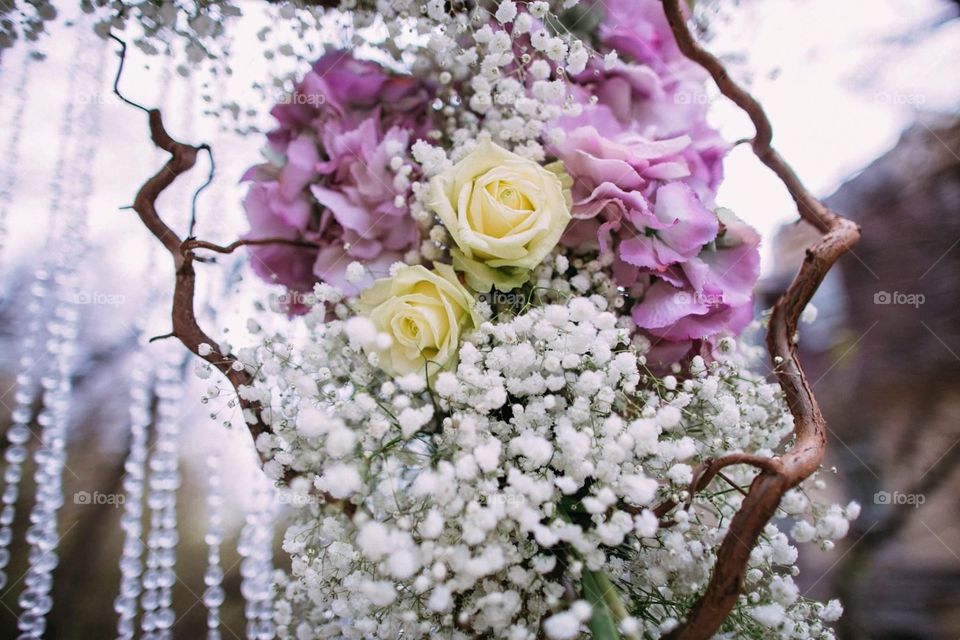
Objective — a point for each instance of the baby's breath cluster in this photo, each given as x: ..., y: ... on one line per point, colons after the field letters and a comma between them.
x: 502, y: 68
x: 485, y: 497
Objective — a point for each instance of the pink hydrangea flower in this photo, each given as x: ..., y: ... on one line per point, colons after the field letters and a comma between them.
x: 646, y: 166
x: 709, y: 295
x: 329, y: 180
x: 654, y: 88
x: 616, y: 199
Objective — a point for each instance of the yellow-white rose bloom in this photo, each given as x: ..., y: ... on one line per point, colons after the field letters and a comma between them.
x: 424, y: 312
x: 505, y: 213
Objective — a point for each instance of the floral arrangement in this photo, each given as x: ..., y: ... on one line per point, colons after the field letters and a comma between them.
x: 520, y: 308
x: 509, y: 396
x: 370, y: 165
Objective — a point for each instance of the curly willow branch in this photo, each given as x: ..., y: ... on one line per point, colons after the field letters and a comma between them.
x: 185, y: 326
x: 806, y: 454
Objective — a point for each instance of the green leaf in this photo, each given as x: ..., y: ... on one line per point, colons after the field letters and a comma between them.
x: 602, y: 624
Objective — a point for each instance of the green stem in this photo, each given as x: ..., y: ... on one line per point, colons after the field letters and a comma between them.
x: 603, y: 594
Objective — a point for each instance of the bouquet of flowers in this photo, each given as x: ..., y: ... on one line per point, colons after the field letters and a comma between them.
x: 511, y: 359
x: 521, y: 305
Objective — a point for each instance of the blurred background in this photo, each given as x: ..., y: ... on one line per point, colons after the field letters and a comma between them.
x: 864, y: 96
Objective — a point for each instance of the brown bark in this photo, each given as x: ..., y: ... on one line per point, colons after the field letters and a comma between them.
x: 805, y: 456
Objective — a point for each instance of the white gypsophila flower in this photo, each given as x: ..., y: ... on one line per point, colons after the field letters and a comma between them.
x: 507, y: 11
x: 548, y: 445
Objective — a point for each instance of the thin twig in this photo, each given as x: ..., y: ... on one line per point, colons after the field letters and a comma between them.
x: 196, y: 194
x: 191, y: 244
x: 730, y: 482
x: 710, y: 469
x: 116, y: 79
x: 703, y: 475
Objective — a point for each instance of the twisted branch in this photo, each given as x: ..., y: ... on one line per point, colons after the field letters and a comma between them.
x: 186, y: 328
x: 805, y: 456
x: 184, y: 320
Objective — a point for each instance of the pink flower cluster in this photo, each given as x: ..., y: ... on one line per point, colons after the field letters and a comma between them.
x: 329, y: 178
x: 644, y: 161
x: 646, y: 166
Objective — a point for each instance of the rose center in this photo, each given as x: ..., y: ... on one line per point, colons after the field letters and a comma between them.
x: 410, y: 328
x: 510, y: 197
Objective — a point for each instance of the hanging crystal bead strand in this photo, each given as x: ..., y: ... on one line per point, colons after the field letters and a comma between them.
x: 131, y: 522
x: 213, y: 596
x: 255, y: 546
x: 142, y: 396
x: 31, y: 369
x: 266, y: 630
x: 67, y: 249
x: 12, y: 151
x: 164, y: 479
x: 42, y: 535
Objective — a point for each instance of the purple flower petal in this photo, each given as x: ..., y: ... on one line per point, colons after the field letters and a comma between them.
x: 731, y: 268
x: 664, y: 305
x: 302, y: 157
x: 283, y: 264
x: 329, y: 177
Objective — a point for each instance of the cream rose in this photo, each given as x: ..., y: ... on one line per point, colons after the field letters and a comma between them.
x: 505, y: 213
x: 424, y: 312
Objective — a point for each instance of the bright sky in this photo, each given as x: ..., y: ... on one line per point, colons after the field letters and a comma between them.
x: 839, y: 81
